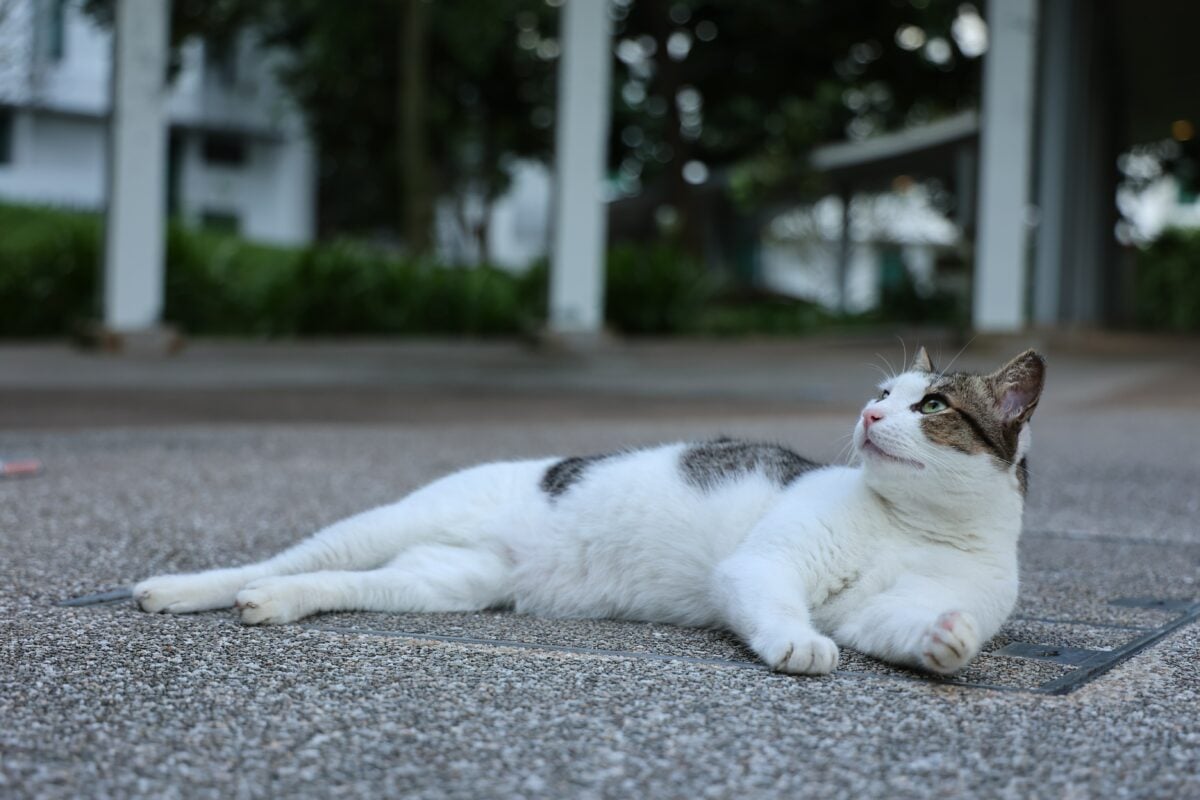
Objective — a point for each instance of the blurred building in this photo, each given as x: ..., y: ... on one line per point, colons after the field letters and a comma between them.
x: 238, y: 158
x: 1072, y: 89
x: 894, y: 236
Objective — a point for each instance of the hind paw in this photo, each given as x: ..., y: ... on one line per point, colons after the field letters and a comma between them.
x: 182, y: 594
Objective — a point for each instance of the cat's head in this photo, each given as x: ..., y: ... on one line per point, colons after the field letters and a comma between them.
x: 959, y: 426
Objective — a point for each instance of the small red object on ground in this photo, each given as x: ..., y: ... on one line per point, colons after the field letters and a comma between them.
x: 21, y: 468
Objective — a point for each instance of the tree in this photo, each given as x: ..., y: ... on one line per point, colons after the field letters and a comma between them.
x: 407, y: 100
x: 440, y: 95
x: 716, y: 103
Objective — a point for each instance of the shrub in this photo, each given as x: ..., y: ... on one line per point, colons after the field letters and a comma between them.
x: 217, y: 284
x: 655, y: 289
x: 49, y: 263
x: 345, y: 287
x: 1167, y: 282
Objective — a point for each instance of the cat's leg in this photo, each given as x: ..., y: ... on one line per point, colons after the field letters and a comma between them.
x: 763, y: 601
x: 425, y: 578
x: 460, y: 508
x: 363, y: 541
x: 919, y: 623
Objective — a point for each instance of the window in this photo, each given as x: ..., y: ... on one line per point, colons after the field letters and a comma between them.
x: 6, y: 136
x: 56, y: 30
x: 224, y: 149
x: 221, y: 221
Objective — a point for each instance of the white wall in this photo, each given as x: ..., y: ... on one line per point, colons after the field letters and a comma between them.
x: 271, y: 193
x: 809, y: 270
x: 518, y: 229
x: 56, y: 160
x: 519, y: 232
x: 78, y: 82
x: 60, y: 130
x: 16, y: 50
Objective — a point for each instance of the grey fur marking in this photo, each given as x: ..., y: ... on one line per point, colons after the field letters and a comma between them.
x: 564, y: 474
x: 710, y: 464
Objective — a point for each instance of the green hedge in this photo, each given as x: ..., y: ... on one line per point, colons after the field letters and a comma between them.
x: 217, y: 284
x: 49, y: 263
x: 1167, y: 282
x: 220, y: 285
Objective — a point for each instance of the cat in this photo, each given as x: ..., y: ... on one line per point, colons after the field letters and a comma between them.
x: 910, y: 557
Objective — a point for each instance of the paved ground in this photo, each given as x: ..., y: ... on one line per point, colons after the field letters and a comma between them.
x: 229, y: 452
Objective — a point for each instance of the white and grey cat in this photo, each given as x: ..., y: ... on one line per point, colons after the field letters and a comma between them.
x: 910, y: 557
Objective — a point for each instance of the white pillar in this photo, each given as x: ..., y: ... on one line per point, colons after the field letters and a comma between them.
x: 1005, y: 168
x: 581, y: 138
x: 135, y: 219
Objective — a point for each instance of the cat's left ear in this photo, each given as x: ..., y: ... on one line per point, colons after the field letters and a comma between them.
x: 921, y: 362
x: 1017, y: 387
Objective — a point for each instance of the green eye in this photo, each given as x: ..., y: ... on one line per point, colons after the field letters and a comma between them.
x: 932, y: 405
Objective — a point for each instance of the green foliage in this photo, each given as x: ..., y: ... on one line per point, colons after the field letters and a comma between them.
x: 48, y: 268
x: 655, y: 289
x: 901, y: 301
x: 764, y: 316
x: 219, y: 285
x: 345, y: 288
x: 1167, y: 283
x: 768, y: 79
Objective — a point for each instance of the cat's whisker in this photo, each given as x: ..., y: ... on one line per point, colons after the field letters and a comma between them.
x: 886, y: 375
x: 884, y: 359
x: 946, y: 368
x: 847, y: 451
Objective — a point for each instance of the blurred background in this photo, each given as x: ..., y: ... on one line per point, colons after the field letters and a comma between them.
x: 291, y: 168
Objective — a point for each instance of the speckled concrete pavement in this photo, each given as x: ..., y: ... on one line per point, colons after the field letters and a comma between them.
x: 230, y: 452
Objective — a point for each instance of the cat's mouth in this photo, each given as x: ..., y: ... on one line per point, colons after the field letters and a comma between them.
x: 870, y: 448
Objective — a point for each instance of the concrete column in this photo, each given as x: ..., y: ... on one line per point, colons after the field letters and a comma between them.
x: 137, y: 179
x: 1058, y: 110
x: 1005, y: 169
x: 845, y: 248
x: 1075, y: 262
x: 581, y: 138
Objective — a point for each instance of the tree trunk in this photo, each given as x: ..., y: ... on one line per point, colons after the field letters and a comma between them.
x: 416, y: 201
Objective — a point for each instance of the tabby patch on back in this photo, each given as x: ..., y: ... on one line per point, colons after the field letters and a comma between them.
x: 710, y: 464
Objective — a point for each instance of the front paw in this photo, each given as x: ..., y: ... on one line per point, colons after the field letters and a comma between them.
x: 800, y: 652
x: 182, y: 594
x: 950, y: 642
x: 271, y: 601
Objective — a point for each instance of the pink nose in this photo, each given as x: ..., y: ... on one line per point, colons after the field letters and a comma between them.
x: 870, y: 417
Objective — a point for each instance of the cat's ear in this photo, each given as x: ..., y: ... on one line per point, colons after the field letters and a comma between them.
x: 1017, y: 387
x: 921, y: 362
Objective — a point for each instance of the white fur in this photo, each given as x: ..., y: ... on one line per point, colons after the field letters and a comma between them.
x: 912, y: 560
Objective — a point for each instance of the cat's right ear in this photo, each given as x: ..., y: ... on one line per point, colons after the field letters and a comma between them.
x: 921, y: 362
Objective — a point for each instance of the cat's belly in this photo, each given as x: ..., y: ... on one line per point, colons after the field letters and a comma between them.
x: 638, y: 559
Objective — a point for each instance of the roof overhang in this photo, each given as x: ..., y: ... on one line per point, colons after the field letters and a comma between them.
x: 926, y: 151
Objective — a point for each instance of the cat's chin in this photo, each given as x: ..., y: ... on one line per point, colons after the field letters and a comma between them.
x: 873, y: 452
